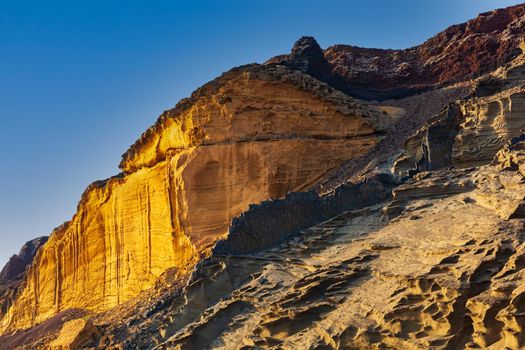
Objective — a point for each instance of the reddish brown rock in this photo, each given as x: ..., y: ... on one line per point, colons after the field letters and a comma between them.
x: 460, y: 52
x: 440, y: 266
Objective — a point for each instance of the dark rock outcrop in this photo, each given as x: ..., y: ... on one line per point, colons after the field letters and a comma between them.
x: 487, y: 86
x: 274, y: 221
x: 307, y: 56
x: 14, y: 271
x: 17, y: 264
x: 439, y: 139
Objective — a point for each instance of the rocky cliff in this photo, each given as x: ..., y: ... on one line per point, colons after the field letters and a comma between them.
x: 436, y: 265
x: 470, y: 131
x: 17, y: 264
x: 254, y: 133
x: 272, y: 209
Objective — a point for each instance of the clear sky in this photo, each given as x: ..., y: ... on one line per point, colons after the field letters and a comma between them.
x: 81, y: 80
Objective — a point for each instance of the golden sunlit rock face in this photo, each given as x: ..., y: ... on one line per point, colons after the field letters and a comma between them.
x: 253, y: 134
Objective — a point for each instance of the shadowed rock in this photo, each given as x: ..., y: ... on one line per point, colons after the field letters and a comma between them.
x: 17, y: 264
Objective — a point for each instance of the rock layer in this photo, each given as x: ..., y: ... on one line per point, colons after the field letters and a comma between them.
x: 445, y: 273
x: 14, y: 272
x: 470, y: 132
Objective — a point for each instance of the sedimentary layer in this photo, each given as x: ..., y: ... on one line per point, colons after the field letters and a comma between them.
x: 443, y: 271
x: 443, y: 274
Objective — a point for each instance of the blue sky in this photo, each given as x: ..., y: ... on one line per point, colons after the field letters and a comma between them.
x: 81, y: 80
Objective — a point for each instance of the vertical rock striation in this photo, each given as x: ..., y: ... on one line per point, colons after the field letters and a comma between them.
x: 438, y: 266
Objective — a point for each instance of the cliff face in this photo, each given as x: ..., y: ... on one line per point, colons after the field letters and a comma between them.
x: 445, y: 273
x: 487, y: 125
x: 470, y: 131
x: 253, y: 134
x: 15, y: 270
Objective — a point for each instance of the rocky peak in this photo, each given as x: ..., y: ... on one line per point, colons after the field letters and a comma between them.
x: 307, y: 50
x: 307, y: 56
x: 270, y: 206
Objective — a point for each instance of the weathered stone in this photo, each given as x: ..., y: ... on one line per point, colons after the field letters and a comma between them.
x: 468, y: 133
x: 488, y: 124
x: 447, y: 271
x: 272, y: 222
x: 505, y: 191
x: 75, y: 334
x: 487, y: 86
x: 317, y: 255
x: 443, y: 183
x: 394, y: 209
x: 430, y: 148
x: 14, y: 272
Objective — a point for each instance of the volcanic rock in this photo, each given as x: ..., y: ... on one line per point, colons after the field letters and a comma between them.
x: 459, y: 53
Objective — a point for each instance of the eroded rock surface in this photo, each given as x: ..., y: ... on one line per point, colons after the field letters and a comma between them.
x: 75, y: 334
x: 17, y: 264
x: 469, y: 132
x: 443, y: 274
x: 253, y: 134
x: 14, y: 272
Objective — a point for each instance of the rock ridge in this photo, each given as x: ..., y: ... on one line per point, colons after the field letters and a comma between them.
x: 17, y: 264
x: 461, y: 52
